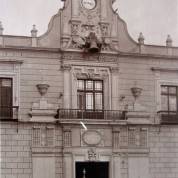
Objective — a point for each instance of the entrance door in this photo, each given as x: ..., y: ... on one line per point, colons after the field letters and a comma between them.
x: 92, y: 169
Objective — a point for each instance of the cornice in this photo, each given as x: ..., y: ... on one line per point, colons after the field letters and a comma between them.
x: 136, y: 55
x: 81, y: 54
x: 30, y: 48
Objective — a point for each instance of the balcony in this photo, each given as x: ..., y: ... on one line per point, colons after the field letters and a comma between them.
x: 91, y: 114
x: 9, y: 113
x: 168, y: 117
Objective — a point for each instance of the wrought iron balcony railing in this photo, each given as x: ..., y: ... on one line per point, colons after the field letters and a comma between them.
x: 8, y: 113
x: 91, y: 114
x: 168, y: 117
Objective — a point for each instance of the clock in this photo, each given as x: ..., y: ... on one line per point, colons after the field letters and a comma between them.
x: 89, y: 4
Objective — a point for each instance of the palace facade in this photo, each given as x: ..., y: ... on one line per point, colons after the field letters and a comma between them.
x: 85, y: 100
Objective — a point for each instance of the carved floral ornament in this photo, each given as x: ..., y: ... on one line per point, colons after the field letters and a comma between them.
x: 92, y: 155
x: 90, y: 73
x: 82, y: 32
x: 94, y: 57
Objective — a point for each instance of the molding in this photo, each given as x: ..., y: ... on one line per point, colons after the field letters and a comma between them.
x: 146, y: 55
x: 164, y: 69
x: 117, y: 54
x: 132, y: 151
x: 28, y: 48
x: 13, y: 61
x: 66, y: 67
x: 80, y: 56
x: 114, y: 69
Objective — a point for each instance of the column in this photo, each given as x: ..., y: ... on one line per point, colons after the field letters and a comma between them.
x: 67, y: 86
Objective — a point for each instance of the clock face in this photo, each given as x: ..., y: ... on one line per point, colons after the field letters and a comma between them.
x: 89, y: 4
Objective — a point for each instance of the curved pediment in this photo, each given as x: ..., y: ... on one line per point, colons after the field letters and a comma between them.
x: 71, y: 27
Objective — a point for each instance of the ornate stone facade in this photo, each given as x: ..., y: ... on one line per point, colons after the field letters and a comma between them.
x: 56, y: 129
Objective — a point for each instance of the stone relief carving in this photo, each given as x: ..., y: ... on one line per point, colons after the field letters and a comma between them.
x: 90, y: 17
x: 43, y: 136
x: 94, y: 57
x: 90, y: 23
x: 116, y: 135
x: 75, y: 25
x: 91, y: 137
x: 67, y: 138
x: 92, y: 154
x: 131, y: 137
x: 104, y: 29
x: 124, y: 165
x: 90, y: 72
x: 86, y: 22
x: 123, y: 137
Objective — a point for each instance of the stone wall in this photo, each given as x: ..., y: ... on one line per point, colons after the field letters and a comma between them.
x: 18, y: 151
x: 16, y: 161
x: 164, y: 151
x: 39, y: 68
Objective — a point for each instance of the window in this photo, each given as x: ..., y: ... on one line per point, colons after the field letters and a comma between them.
x: 9, y: 89
x: 90, y: 94
x: 169, y: 103
x: 5, y: 98
x: 169, y: 98
x: 90, y: 99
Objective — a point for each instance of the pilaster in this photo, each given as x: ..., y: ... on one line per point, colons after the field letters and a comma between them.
x: 67, y: 86
x: 114, y: 90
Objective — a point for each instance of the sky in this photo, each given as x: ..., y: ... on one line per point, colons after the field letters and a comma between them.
x: 154, y: 18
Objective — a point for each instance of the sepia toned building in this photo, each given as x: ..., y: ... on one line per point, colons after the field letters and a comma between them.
x: 85, y: 100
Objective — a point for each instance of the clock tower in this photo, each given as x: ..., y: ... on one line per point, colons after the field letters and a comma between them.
x: 82, y: 18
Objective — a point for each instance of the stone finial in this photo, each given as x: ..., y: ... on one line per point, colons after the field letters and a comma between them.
x: 1, y: 28
x: 141, y: 38
x: 34, y: 31
x: 169, y: 41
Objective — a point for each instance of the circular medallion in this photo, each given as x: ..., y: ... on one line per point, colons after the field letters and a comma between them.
x: 89, y: 4
x: 92, y: 137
